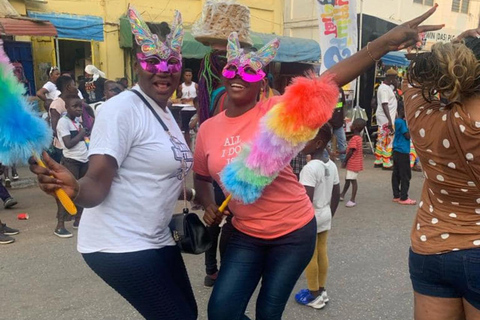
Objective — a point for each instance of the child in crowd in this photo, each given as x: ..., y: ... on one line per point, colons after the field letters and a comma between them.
x: 322, y: 183
x: 402, y: 172
x: 353, y: 161
x: 74, y: 140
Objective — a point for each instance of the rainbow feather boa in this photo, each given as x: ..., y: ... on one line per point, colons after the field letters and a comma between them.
x: 22, y: 132
x: 283, y: 132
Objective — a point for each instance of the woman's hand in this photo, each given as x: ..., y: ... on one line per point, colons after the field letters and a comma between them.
x: 475, y: 33
x: 54, y: 177
x: 408, y: 34
x: 212, y: 216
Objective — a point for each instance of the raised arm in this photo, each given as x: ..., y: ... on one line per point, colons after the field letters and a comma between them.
x: 400, y: 37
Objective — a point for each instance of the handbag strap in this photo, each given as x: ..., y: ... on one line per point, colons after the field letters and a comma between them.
x: 153, y: 111
x: 185, y: 207
x: 454, y: 133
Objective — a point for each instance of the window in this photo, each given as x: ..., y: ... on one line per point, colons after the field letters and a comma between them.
x: 460, y: 6
x: 424, y: 2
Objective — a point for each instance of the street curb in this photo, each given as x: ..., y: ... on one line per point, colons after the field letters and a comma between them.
x: 24, y: 183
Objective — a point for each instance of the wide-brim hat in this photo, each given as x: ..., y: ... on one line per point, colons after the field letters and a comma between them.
x: 219, y: 19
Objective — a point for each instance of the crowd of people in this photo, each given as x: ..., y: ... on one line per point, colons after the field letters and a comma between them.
x: 122, y: 157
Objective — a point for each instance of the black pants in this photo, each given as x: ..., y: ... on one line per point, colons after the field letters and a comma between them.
x: 155, y: 282
x: 401, y: 175
x: 78, y: 169
x: 211, y: 263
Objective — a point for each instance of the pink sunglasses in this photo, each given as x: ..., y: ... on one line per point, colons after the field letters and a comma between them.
x: 246, y: 73
x: 154, y: 64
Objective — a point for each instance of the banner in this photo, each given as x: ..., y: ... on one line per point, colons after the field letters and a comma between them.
x: 338, y: 32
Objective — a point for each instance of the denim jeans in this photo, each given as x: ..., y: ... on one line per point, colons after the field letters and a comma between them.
x: 341, y: 143
x: 278, y: 262
x: 455, y: 274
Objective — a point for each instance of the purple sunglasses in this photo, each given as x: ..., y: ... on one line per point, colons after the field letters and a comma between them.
x: 154, y: 64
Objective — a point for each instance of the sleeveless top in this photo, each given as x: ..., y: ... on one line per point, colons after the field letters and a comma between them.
x: 189, y: 92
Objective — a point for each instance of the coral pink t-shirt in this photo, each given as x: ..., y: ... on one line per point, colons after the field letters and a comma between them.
x: 284, y: 205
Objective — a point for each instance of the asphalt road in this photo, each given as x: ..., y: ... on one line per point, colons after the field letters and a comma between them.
x: 44, y: 277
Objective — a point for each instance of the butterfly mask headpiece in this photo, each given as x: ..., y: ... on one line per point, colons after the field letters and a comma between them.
x: 248, y: 65
x: 155, y: 55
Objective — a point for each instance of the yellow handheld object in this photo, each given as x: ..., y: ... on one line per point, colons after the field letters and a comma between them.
x: 225, y: 203
x: 65, y: 200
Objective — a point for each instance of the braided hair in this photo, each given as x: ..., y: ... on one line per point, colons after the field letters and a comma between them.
x: 209, y: 80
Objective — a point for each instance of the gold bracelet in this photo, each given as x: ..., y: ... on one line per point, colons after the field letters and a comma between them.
x: 370, y: 54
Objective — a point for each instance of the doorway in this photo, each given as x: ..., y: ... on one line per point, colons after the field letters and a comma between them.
x: 74, y: 56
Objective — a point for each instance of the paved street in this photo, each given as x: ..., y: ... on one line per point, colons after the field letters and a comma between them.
x: 44, y: 277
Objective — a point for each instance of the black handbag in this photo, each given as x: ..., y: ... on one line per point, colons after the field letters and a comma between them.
x: 188, y: 231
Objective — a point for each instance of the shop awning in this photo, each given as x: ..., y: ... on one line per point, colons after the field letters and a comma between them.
x: 291, y: 49
x: 26, y: 27
x: 396, y: 58
x: 72, y: 26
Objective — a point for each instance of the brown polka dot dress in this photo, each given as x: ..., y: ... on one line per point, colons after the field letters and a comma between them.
x: 448, y: 217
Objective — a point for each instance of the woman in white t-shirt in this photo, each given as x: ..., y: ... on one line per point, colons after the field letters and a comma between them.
x: 132, y: 185
x: 49, y: 91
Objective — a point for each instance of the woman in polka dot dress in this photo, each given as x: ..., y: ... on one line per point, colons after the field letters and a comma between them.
x: 444, y: 258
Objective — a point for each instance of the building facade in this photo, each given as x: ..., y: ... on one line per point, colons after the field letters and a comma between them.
x: 89, y: 30
x: 301, y: 16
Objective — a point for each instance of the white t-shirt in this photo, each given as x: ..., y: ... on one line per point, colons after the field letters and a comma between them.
x: 385, y: 94
x: 66, y: 127
x: 321, y: 176
x: 53, y: 92
x: 135, y: 214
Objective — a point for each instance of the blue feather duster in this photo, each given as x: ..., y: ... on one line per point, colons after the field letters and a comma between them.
x: 22, y: 132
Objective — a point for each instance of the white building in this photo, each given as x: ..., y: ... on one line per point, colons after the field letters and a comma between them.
x: 301, y: 16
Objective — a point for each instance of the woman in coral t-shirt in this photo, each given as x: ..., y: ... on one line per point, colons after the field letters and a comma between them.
x: 275, y: 236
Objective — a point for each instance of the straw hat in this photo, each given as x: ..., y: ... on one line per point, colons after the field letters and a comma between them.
x: 219, y: 19
x: 391, y: 72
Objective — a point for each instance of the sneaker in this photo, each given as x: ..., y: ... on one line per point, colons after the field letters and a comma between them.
x: 395, y: 199
x: 304, y: 297
x: 325, y: 296
x: 341, y: 199
x: 408, y: 202
x: 4, y: 239
x: 76, y: 223
x: 62, y: 233
x: 15, y: 177
x: 318, y: 303
x: 210, y: 280
x: 10, y: 202
x: 8, y: 183
x: 350, y: 204
x: 378, y: 165
x: 8, y: 231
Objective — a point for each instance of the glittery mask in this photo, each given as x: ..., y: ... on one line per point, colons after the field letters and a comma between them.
x: 157, y: 56
x: 248, y: 65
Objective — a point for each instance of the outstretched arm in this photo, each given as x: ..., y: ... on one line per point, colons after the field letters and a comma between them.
x: 400, y: 37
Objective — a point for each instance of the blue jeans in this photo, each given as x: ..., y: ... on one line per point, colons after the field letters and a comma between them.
x: 155, y: 282
x: 278, y: 262
x: 341, y: 143
x: 454, y: 274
